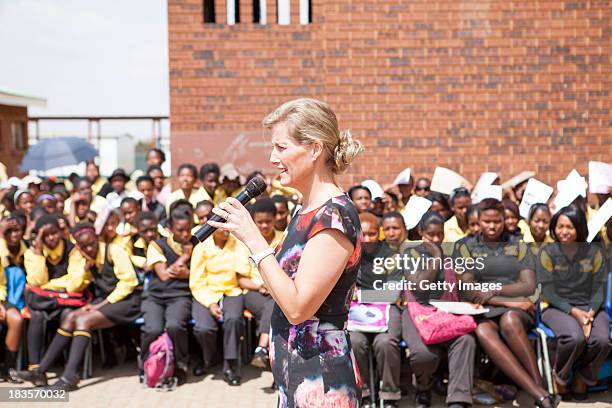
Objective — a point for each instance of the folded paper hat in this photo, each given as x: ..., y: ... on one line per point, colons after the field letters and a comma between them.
x: 599, y: 219
x: 375, y: 188
x: 230, y: 172
x: 482, y: 189
x: 403, y: 177
x: 535, y: 192
x: 518, y: 179
x: 568, y: 190
x: 414, y: 210
x: 445, y: 181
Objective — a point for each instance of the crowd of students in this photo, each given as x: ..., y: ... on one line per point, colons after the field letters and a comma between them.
x: 122, y: 248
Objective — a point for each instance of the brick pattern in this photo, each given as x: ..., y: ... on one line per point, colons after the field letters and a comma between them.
x: 479, y: 85
x: 10, y: 156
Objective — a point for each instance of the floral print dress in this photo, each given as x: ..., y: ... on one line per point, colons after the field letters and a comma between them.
x: 312, y: 362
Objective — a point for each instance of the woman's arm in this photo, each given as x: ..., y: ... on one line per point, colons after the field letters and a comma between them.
x: 321, y: 264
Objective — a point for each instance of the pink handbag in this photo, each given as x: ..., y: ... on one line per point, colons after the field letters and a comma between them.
x: 436, y: 326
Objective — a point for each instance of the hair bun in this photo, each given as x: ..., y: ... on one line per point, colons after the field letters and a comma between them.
x: 346, y: 151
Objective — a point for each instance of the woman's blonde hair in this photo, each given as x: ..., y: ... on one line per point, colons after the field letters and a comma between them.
x: 310, y: 120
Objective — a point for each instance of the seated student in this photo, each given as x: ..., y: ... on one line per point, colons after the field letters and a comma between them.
x: 12, y: 249
x: 48, y: 202
x: 61, y: 194
x: 11, y: 319
x: 457, y: 226
x: 539, y: 223
x: 187, y: 176
x: 256, y: 297
x: 92, y: 172
x: 115, y: 302
x: 146, y: 223
x: 573, y: 277
x: 230, y: 181
x: 439, y: 204
x: 426, y: 359
x: 83, y: 194
x: 130, y: 208
x: 502, y: 332
x: 472, y: 218
x: 209, y: 177
x: 361, y: 197
x: 213, y: 281
x: 155, y: 157
x: 385, y: 345
x: 24, y: 201
x: 512, y: 218
x: 422, y: 187
x: 162, y: 188
x: 394, y: 229
x: 166, y: 303
x: 203, y: 209
x: 51, y: 263
x: 149, y: 202
x: 282, y: 212
x: 118, y: 180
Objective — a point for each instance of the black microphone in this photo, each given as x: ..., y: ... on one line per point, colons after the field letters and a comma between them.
x: 252, y: 189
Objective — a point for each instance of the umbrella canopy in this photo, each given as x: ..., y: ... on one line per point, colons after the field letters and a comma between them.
x: 56, y: 152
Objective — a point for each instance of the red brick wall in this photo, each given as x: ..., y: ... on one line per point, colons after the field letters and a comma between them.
x: 9, y: 155
x: 475, y: 86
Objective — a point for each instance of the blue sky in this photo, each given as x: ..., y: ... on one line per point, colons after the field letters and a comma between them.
x: 87, y: 57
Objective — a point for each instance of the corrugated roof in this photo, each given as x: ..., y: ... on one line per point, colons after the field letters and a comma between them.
x: 12, y: 97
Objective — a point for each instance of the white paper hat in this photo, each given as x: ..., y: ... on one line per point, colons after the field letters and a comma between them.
x: 485, y: 180
x: 445, y: 181
x: 375, y: 188
x: 518, y: 179
x: 414, y: 210
x: 600, y: 219
x: 403, y: 177
x: 535, y: 192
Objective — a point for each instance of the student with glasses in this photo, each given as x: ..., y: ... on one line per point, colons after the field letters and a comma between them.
x: 423, y: 187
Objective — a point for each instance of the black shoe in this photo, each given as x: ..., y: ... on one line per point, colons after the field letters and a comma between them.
x: 199, y: 370
x: 553, y: 401
x: 366, y: 402
x: 260, y: 357
x: 11, y: 377
x: 181, y: 376
x: 579, y: 396
x: 423, y: 399
x: 391, y: 404
x: 35, y: 377
x: 231, y: 378
x: 63, y: 384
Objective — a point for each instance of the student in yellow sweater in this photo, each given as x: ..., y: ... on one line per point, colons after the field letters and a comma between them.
x: 257, y: 299
x: 51, y: 263
x: 116, y: 302
x: 11, y: 319
x: 213, y: 280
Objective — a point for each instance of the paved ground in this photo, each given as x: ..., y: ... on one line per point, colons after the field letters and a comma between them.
x: 119, y: 388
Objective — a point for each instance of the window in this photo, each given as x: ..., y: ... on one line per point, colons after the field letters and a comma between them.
x: 305, y: 12
x: 18, y: 135
x: 283, y: 12
x: 233, y: 12
x: 209, y: 11
x: 257, y: 10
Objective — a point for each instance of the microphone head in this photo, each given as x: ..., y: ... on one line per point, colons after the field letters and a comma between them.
x: 255, y: 187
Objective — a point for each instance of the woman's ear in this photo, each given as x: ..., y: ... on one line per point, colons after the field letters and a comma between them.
x: 317, y: 150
